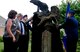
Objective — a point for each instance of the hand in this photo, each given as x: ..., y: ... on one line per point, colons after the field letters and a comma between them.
x: 14, y: 39
x: 68, y: 15
x: 18, y: 31
x: 31, y: 21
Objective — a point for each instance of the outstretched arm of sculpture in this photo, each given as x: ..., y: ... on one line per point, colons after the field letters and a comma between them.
x: 45, y: 18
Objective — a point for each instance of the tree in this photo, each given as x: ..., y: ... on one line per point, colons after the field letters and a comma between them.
x: 75, y: 5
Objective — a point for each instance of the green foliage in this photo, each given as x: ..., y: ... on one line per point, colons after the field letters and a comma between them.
x: 75, y: 5
x: 1, y: 39
x: 61, y: 34
x: 79, y: 34
x: 78, y: 47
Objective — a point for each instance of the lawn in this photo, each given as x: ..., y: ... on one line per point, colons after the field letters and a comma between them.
x: 1, y: 46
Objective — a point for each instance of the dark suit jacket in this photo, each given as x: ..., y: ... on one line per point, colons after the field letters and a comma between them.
x: 27, y: 27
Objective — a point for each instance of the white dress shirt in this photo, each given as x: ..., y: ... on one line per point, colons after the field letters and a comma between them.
x: 23, y: 30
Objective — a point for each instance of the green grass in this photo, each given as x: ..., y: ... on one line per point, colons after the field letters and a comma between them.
x: 1, y: 46
x: 29, y: 47
x: 29, y: 50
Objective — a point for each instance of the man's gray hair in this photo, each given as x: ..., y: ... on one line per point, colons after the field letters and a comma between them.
x: 18, y: 15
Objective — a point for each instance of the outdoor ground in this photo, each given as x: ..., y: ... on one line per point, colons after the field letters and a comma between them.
x: 1, y: 47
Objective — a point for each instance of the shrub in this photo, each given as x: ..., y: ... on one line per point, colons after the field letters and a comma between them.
x: 61, y: 34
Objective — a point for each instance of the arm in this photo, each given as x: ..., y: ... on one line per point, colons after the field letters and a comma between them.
x: 29, y: 20
x: 62, y: 26
x: 68, y: 22
x: 45, y: 18
x: 8, y: 27
x: 29, y: 26
x: 18, y: 31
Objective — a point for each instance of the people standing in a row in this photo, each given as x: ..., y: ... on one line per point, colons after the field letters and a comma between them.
x: 24, y: 36
x: 9, y: 38
x: 16, y: 34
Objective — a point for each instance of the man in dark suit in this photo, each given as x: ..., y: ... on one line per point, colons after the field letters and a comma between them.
x: 24, y: 37
x: 71, y: 29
